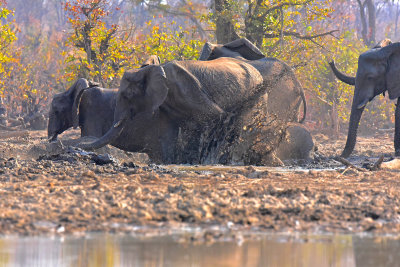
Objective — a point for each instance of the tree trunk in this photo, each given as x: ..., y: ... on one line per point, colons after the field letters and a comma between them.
x: 335, y: 120
x: 396, y: 23
x: 225, y: 30
x: 368, y: 27
x: 253, y: 22
x: 371, y: 21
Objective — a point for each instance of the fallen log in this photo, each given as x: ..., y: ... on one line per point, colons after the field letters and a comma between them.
x: 349, y: 164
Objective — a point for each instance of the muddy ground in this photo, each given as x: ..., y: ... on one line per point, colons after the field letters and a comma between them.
x: 69, y: 191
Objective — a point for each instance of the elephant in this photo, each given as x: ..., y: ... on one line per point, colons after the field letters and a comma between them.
x: 280, y: 99
x: 297, y: 145
x: 86, y: 105
x: 197, y: 101
x: 378, y: 72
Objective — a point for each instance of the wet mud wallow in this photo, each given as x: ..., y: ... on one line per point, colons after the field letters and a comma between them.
x: 62, y: 190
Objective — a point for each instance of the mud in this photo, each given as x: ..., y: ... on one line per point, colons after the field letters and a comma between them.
x: 64, y: 190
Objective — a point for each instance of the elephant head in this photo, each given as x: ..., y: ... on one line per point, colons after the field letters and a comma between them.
x: 64, y: 109
x: 141, y: 91
x: 238, y: 48
x: 378, y: 71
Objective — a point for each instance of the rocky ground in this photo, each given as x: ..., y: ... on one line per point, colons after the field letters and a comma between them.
x: 61, y: 190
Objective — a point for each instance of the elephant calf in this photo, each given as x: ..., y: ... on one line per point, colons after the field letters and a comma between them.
x: 87, y: 106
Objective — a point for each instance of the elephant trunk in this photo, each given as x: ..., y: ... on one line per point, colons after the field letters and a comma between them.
x: 341, y: 76
x: 51, y: 135
x: 113, y: 133
x: 52, y: 128
x: 355, y: 117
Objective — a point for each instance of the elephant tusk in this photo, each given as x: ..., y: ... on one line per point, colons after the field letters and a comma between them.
x: 117, y: 124
x: 52, y: 138
x: 362, y: 105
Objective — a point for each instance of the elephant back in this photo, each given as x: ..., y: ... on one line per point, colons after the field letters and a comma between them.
x: 228, y: 82
x: 285, y: 92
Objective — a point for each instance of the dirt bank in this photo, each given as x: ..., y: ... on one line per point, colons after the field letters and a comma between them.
x: 76, y: 192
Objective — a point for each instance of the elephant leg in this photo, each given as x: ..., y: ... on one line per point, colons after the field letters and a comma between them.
x: 397, y: 129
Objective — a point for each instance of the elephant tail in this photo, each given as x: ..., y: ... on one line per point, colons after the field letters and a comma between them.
x: 303, y: 98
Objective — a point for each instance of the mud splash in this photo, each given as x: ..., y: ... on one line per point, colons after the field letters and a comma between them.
x: 71, y: 192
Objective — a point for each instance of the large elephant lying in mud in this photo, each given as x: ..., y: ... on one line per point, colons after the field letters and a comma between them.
x: 85, y: 105
x: 378, y: 71
x: 281, y: 100
x: 209, y: 110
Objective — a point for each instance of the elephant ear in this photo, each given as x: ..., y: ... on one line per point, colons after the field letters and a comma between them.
x: 153, y: 81
x: 76, y: 91
x: 393, y: 77
x: 206, y: 51
x: 246, y: 48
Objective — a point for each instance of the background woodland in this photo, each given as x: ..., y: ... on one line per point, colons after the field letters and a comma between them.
x: 45, y: 45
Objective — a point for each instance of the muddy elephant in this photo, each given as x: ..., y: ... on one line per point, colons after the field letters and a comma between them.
x: 85, y: 105
x: 196, y: 99
x: 378, y: 72
x: 298, y: 144
x: 282, y: 100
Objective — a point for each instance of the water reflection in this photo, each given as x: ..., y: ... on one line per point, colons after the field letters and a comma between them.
x: 114, y: 250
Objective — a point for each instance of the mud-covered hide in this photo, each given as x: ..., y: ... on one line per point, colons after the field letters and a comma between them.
x: 248, y: 136
x: 297, y: 145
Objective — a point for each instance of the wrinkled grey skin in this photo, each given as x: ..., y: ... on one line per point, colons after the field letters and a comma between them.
x: 185, y: 92
x: 298, y: 144
x: 85, y: 105
x: 92, y: 109
x: 284, y: 99
x: 64, y: 111
x: 378, y: 72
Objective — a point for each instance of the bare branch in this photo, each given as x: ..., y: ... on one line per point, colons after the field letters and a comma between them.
x: 298, y: 35
x: 190, y: 15
x: 281, y: 5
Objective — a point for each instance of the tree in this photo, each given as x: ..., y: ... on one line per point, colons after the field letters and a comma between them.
x: 168, y: 43
x: 192, y: 10
x: 7, y: 38
x: 368, y: 22
x: 100, y: 51
x: 224, y: 21
x: 260, y: 19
